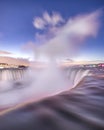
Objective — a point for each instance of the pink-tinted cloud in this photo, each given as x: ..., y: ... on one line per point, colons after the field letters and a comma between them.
x: 5, y: 53
x: 14, y: 61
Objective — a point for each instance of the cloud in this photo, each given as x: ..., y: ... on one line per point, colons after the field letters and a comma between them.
x: 75, y: 31
x: 53, y: 19
x: 39, y: 23
x: 47, y: 20
x: 84, y: 25
x: 15, y: 61
x: 9, y: 58
x: 64, y: 40
x: 5, y: 53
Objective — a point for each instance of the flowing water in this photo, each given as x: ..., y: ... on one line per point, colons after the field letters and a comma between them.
x: 11, y: 74
x: 79, y: 108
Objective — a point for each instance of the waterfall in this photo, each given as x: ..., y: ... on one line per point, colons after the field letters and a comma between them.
x: 18, y: 85
x: 77, y: 75
x: 11, y: 74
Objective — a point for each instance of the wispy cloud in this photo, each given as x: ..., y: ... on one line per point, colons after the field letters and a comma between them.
x: 5, y: 52
x: 15, y: 61
x: 53, y: 19
x: 39, y: 23
x: 47, y: 20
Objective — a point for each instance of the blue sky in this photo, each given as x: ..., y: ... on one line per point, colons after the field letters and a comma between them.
x: 17, y: 29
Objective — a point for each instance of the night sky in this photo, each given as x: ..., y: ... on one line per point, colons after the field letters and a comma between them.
x: 17, y: 29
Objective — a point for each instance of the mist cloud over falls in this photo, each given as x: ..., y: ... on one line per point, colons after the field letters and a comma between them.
x: 62, y: 38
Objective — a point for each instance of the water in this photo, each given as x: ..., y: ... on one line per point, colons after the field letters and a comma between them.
x: 79, y: 108
x: 19, y: 85
x: 11, y: 74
